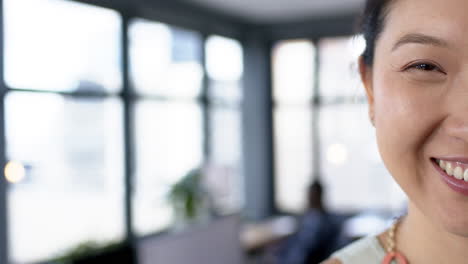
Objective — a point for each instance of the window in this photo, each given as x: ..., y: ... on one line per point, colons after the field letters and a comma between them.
x: 168, y: 145
x: 66, y: 114
x: 224, y: 65
x: 66, y: 46
x: 65, y: 151
x: 353, y: 182
x: 69, y: 188
x: 293, y: 78
x: 167, y: 71
x: 338, y: 57
x: 165, y: 61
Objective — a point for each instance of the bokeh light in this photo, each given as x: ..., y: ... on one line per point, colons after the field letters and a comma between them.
x: 337, y: 154
x: 14, y: 172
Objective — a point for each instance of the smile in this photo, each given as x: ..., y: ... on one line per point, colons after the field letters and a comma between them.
x: 455, y: 169
x: 454, y: 173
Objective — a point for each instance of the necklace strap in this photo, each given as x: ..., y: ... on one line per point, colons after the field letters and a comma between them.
x: 391, y: 236
x: 392, y: 253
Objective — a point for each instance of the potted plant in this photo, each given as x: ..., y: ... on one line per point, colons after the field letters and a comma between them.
x: 189, y: 199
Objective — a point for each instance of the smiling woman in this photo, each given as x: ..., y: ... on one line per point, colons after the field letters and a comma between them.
x: 415, y: 73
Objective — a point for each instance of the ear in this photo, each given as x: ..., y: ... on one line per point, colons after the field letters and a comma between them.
x: 365, y: 72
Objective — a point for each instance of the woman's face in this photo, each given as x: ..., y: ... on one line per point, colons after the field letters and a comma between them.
x: 418, y: 95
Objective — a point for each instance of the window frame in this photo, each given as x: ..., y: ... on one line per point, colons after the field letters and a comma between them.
x: 317, y: 102
x: 127, y: 96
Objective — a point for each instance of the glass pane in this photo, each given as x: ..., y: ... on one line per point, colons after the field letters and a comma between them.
x: 225, y: 177
x: 339, y: 75
x: 354, y: 182
x: 224, y: 65
x: 61, y: 46
x: 224, y: 59
x: 225, y: 92
x: 67, y: 187
x: 165, y: 61
x: 169, y: 143
x: 294, y: 157
x: 293, y: 71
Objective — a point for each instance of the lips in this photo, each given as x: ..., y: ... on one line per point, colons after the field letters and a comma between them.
x: 454, y: 172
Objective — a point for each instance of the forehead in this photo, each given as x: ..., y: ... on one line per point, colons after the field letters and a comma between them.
x: 446, y: 19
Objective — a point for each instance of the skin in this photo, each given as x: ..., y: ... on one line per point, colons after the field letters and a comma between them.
x: 418, y: 101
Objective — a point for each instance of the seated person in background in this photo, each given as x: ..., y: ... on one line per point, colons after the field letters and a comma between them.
x: 318, y: 234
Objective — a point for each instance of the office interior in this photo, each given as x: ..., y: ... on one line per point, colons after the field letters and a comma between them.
x: 181, y: 131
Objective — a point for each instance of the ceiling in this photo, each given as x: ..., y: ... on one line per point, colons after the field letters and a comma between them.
x: 280, y: 11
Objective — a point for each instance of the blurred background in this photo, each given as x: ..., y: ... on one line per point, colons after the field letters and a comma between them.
x: 184, y: 131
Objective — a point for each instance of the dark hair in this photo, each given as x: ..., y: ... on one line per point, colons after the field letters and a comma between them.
x: 314, y: 195
x: 371, y: 25
x: 316, y: 187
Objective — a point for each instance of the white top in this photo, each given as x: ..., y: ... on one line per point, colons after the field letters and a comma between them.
x: 364, y: 251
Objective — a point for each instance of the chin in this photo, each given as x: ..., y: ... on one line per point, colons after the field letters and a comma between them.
x: 444, y: 211
x: 454, y: 220
x: 456, y: 226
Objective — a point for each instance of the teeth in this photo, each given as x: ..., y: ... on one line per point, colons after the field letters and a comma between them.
x: 458, y: 173
x: 442, y: 164
x: 449, y: 169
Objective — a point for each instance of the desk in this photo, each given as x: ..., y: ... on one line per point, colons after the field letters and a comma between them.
x: 256, y: 236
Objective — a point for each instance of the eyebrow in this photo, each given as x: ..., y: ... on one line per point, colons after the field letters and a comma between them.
x: 420, y: 39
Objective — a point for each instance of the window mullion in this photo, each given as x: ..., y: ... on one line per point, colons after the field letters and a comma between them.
x: 205, y: 103
x: 128, y: 129
x: 316, y: 104
x: 4, y: 254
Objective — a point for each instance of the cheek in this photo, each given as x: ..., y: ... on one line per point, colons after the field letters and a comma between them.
x: 398, y: 115
x: 405, y: 117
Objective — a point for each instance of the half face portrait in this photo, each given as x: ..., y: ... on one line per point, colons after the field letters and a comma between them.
x: 417, y: 88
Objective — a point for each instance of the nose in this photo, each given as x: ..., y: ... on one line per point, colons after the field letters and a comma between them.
x: 456, y: 124
x: 457, y: 127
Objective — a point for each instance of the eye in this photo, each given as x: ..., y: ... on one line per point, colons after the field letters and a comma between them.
x: 425, y: 67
